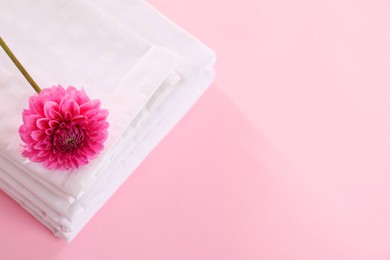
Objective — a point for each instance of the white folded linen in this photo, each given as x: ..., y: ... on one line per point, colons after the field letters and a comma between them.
x: 110, y: 61
x: 151, y: 124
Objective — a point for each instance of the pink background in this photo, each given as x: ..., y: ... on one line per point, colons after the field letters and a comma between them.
x: 285, y: 157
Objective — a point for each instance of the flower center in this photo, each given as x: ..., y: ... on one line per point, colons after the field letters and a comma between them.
x: 68, y: 138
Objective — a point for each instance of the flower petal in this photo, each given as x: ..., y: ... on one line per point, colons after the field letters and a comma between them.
x: 70, y: 106
x: 38, y: 135
x: 50, y: 108
x: 43, y: 123
x: 31, y: 121
x: 92, y: 104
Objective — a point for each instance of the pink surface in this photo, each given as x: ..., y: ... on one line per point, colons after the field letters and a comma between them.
x: 285, y: 157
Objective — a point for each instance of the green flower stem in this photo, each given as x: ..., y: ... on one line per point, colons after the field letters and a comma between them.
x: 19, y: 66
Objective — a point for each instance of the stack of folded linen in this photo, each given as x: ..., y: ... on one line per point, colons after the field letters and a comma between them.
x: 146, y: 70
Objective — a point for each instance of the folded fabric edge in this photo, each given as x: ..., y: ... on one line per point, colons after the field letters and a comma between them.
x: 165, y: 125
x: 41, y: 192
x: 164, y: 63
x: 69, y: 235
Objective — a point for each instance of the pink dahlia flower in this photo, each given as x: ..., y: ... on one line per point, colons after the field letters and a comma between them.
x: 63, y: 128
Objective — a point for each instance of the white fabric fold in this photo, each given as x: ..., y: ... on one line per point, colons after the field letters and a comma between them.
x: 142, y: 69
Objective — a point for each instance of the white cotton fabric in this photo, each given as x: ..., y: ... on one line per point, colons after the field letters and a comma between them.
x: 177, y: 67
x: 142, y: 68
